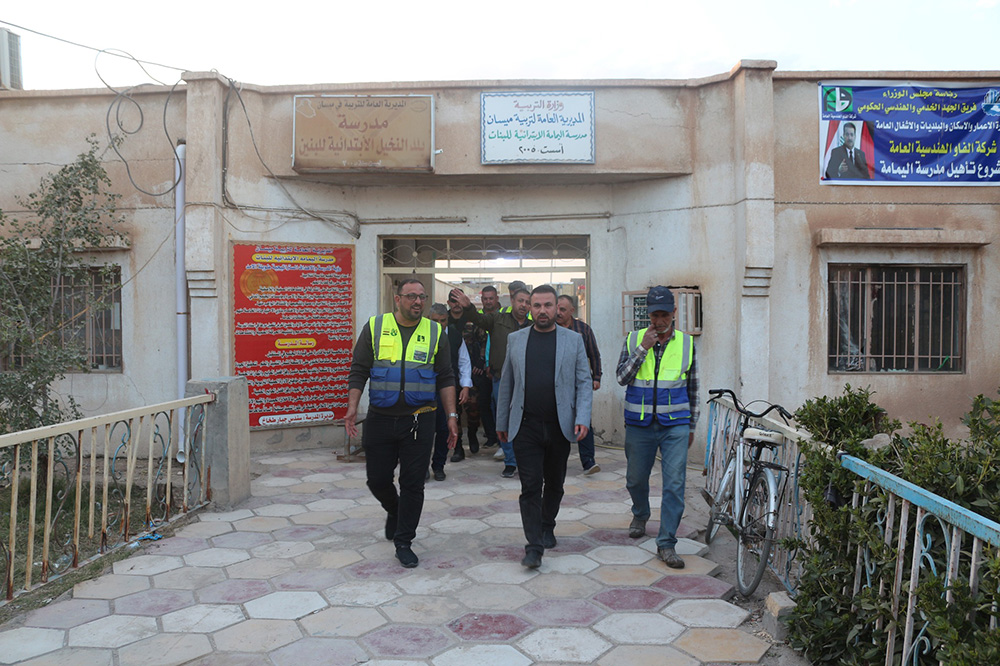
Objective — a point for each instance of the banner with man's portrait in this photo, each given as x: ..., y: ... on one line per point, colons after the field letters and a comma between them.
x: 905, y: 133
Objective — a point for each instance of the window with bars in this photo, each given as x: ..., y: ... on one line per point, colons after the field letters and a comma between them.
x: 91, y: 309
x: 687, y: 306
x: 896, y: 318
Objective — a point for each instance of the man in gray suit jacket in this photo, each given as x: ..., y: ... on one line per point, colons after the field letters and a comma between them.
x: 543, y: 404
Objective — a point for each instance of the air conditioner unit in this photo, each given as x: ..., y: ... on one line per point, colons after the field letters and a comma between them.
x: 10, y: 60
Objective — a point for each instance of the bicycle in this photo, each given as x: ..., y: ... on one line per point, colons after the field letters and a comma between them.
x: 751, y: 509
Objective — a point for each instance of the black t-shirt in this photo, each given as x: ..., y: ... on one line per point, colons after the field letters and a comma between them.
x: 540, y: 376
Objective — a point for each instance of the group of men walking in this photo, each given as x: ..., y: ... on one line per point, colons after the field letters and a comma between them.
x: 535, y: 367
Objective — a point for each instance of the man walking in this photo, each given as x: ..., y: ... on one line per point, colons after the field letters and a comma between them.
x: 482, y: 379
x: 402, y: 355
x: 499, y: 325
x: 462, y: 368
x: 566, y: 316
x: 661, y: 410
x: 543, y: 403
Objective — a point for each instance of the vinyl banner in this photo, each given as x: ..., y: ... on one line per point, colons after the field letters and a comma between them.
x: 293, y: 320
x: 903, y: 133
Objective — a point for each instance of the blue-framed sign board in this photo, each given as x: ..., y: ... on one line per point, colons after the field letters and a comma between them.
x: 537, y: 127
x: 907, y: 133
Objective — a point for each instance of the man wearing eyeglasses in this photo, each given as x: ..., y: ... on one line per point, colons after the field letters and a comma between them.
x: 399, y: 356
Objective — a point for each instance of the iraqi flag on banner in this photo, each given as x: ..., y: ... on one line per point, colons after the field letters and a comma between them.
x: 835, y: 138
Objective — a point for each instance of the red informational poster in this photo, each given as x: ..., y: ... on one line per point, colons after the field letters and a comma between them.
x: 293, y: 317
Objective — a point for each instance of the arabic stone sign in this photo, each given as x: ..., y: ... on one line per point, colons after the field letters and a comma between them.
x: 368, y: 133
x: 293, y: 317
x: 547, y: 127
x: 903, y: 133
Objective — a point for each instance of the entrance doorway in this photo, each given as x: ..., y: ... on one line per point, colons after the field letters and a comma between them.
x: 471, y: 263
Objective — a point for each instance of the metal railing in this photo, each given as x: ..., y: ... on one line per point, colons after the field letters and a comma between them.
x: 928, y: 535
x: 794, y: 512
x: 75, y: 482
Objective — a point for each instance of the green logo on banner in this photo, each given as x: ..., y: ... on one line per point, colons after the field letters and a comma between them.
x: 838, y: 100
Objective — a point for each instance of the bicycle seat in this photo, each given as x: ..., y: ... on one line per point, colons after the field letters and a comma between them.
x: 764, y: 436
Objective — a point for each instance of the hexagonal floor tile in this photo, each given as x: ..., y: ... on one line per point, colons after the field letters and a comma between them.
x: 722, y: 645
x: 495, y: 597
x: 113, y: 631
x: 361, y: 593
x: 154, y: 603
x: 562, y: 645
x: 633, y: 598
x: 326, y: 651
x: 110, y: 587
x: 706, y: 613
x: 69, y: 613
x: 28, y: 642
x: 285, y: 605
x: 343, y: 621
x: 695, y: 587
x: 398, y: 641
x: 560, y: 612
x: 489, y: 627
x: 495, y: 655
x: 641, y: 628
x: 421, y: 609
x: 147, y: 565
x: 202, y: 618
x: 165, y: 650
x: 257, y: 636
x: 216, y: 557
x: 233, y: 591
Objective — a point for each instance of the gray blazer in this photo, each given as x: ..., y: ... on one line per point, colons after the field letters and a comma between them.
x: 574, y: 386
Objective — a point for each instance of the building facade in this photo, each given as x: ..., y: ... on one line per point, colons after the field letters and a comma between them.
x: 711, y: 186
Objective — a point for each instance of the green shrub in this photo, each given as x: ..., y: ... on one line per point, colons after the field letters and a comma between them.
x: 831, y: 624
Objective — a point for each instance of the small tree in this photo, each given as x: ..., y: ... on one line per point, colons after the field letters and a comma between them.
x: 42, y: 264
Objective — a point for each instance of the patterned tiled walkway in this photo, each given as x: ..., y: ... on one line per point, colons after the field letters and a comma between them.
x: 300, y: 574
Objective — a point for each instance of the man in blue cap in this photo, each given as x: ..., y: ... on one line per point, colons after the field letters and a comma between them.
x: 661, y: 409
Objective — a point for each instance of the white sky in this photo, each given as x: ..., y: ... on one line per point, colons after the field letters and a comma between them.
x: 393, y: 40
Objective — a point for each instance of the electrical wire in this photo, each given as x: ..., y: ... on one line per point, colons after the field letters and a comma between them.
x: 354, y: 228
x: 93, y: 48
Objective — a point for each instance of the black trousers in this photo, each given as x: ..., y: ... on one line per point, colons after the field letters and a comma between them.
x: 484, y: 388
x: 541, y: 452
x: 406, y: 441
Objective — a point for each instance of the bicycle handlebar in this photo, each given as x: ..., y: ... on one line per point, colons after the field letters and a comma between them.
x: 715, y: 393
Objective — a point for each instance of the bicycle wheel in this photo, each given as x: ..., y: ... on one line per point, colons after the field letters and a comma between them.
x: 722, y: 505
x: 756, y: 536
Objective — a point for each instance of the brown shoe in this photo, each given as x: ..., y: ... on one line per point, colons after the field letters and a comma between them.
x: 670, y: 558
x: 637, y: 528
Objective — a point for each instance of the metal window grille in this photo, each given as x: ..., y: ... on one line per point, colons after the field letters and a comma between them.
x: 687, y: 301
x: 896, y: 318
x: 91, y: 308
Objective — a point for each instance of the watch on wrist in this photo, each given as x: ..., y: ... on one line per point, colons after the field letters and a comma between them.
x: 453, y: 415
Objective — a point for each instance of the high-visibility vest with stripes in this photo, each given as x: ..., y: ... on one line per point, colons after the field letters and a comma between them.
x: 667, y: 389
x: 415, y: 377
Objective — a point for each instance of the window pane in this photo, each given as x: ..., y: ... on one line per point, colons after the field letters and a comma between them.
x: 896, y: 318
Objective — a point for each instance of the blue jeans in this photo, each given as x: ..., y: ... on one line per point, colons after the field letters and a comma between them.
x: 641, y: 446
x: 586, y: 446
x: 508, y: 447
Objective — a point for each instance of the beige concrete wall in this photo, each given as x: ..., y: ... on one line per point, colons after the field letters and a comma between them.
x: 804, y: 207
x: 711, y: 183
x: 42, y: 131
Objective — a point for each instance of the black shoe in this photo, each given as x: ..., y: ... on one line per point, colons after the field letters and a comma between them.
x: 390, y: 526
x: 439, y: 475
x: 406, y: 557
x: 532, y: 559
x: 458, y: 456
x: 473, y: 441
x: 549, y: 539
x: 637, y: 528
x: 428, y: 476
x: 508, y: 471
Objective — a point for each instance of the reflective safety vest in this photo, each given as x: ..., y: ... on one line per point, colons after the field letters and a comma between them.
x: 415, y: 377
x: 666, y: 386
